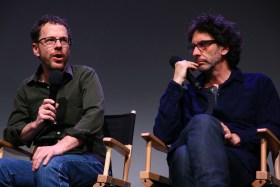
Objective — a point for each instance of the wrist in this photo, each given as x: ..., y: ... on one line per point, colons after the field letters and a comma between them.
x: 179, y: 81
x: 37, y: 125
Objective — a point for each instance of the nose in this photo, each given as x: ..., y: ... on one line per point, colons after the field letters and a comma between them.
x: 196, y: 51
x: 57, y: 43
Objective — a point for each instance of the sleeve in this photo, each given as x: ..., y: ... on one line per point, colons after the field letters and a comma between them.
x: 168, y: 120
x: 91, y: 122
x: 267, y: 112
x: 18, y: 119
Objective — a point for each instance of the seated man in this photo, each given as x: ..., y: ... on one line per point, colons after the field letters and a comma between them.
x: 213, y: 129
x: 68, y: 131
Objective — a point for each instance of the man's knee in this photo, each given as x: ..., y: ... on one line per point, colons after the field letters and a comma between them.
x: 203, y: 118
x: 204, y: 121
x: 53, y: 166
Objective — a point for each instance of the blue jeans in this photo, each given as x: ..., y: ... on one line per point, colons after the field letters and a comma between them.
x: 201, y: 159
x: 62, y: 171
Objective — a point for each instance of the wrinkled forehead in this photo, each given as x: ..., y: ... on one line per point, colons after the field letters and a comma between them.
x: 53, y: 30
x: 199, y: 36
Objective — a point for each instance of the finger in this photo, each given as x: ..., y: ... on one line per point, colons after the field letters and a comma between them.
x: 226, y: 131
x: 48, y: 101
x: 49, y: 113
x: 36, y: 164
x: 36, y: 160
x: 194, y: 64
x: 223, y: 125
x: 37, y: 152
x: 228, y: 136
x: 192, y: 67
x: 46, y: 108
x: 33, y: 168
x: 50, y: 107
x: 47, y: 116
x: 47, y: 159
x: 183, y: 63
x: 235, y: 139
x: 225, y: 128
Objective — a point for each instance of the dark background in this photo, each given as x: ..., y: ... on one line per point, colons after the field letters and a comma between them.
x: 129, y: 44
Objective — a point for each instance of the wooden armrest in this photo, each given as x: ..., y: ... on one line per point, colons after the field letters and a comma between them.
x: 273, y: 142
x: 115, y: 144
x: 156, y: 143
x: 147, y: 177
x: 270, y: 141
x: 14, y: 149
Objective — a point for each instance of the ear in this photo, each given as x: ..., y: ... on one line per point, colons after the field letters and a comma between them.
x: 225, y: 50
x: 35, y: 49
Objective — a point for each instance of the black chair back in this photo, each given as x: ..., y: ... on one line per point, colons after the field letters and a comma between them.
x: 120, y: 127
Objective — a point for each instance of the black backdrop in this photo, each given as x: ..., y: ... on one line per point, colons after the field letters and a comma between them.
x: 129, y: 44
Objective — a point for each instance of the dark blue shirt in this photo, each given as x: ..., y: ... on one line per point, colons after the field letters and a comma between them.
x: 244, y: 102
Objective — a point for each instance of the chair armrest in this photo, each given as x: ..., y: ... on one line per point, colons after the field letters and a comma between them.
x: 272, y: 140
x: 147, y: 177
x: 156, y: 143
x: 119, y: 147
x: 16, y: 150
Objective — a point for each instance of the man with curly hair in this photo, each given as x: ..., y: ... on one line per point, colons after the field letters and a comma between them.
x: 213, y: 129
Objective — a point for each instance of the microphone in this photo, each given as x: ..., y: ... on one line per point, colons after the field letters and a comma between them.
x: 55, y: 81
x: 173, y: 60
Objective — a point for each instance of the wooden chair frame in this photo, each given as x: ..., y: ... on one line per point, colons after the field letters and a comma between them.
x: 6, y: 146
x: 102, y: 180
x: 269, y: 142
x: 126, y: 152
x: 149, y: 178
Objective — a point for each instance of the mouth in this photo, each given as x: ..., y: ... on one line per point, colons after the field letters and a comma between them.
x: 200, y: 62
x: 58, y: 56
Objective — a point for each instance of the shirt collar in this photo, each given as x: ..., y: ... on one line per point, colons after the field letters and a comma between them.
x: 236, y: 74
x: 67, y: 74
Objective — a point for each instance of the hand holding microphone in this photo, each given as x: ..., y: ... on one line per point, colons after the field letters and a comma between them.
x: 47, y: 111
x: 55, y: 81
x: 180, y: 76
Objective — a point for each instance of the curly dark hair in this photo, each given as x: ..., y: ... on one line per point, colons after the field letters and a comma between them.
x: 222, y: 30
x: 35, y: 31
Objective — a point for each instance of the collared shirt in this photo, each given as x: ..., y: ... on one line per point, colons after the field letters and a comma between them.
x: 244, y: 102
x: 80, y: 113
x: 212, y: 93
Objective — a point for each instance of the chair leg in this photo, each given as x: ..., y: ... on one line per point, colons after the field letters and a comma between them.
x: 260, y: 183
x: 151, y: 183
x: 147, y: 182
x: 99, y: 184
